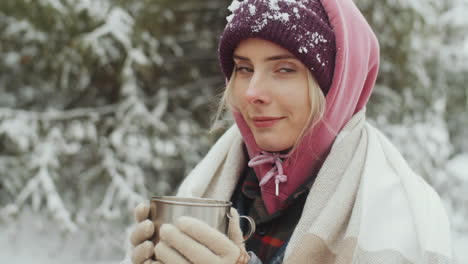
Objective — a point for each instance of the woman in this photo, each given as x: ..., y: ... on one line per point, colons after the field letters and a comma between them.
x: 322, y: 184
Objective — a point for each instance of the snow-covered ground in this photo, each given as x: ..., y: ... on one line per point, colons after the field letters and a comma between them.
x: 26, y: 244
x: 461, y: 248
x: 35, y: 240
x: 41, y: 248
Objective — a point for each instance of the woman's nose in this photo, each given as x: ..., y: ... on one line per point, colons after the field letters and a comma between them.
x: 257, y: 91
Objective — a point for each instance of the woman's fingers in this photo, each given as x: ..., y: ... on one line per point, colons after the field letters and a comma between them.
x: 150, y: 261
x: 143, y: 231
x: 166, y: 254
x: 187, y: 246
x: 234, y: 231
x: 141, y: 212
x: 216, y: 241
x: 142, y: 252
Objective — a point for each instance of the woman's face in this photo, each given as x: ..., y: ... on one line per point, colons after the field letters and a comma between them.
x: 270, y: 90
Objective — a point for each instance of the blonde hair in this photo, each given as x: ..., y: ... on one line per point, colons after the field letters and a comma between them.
x: 316, y: 99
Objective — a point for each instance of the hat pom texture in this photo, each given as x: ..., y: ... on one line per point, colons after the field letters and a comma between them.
x: 301, y: 27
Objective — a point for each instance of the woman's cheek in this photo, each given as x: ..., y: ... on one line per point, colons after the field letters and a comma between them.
x: 236, y: 99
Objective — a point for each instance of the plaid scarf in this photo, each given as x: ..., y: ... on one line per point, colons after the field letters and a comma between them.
x: 273, y: 231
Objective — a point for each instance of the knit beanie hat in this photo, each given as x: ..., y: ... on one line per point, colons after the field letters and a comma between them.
x: 300, y: 26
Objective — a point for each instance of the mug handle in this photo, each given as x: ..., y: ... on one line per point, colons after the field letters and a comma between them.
x: 251, y: 225
x: 251, y: 229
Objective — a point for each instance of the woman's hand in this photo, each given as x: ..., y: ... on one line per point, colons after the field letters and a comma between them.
x: 190, y: 240
x: 141, y: 235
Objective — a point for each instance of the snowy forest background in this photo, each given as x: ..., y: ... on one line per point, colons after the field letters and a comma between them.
x: 105, y: 103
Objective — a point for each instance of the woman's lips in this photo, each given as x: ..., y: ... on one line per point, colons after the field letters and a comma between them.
x: 264, y: 121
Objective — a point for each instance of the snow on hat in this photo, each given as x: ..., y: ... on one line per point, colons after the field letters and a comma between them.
x: 300, y: 26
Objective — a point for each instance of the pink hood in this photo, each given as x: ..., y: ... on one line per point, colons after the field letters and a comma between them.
x: 356, y: 68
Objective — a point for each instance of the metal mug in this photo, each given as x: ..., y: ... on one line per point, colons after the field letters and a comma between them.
x: 216, y: 213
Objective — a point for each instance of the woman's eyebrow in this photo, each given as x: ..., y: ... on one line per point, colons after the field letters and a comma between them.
x: 272, y: 58
x: 280, y: 57
x: 237, y: 57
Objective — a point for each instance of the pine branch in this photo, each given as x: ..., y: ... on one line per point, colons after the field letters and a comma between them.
x: 118, y: 186
x: 57, y: 115
x: 44, y: 157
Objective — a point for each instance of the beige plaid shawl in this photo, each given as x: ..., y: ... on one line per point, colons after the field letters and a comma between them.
x: 366, y: 205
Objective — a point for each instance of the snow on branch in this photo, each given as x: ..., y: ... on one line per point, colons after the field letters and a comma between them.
x: 119, y: 26
x: 120, y: 155
x: 57, y: 115
x: 118, y: 187
x: 56, y: 4
x: 43, y: 161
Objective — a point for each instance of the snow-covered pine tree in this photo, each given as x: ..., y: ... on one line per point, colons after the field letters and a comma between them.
x: 104, y: 103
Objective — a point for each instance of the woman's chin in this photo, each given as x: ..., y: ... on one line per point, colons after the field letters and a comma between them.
x: 273, y: 146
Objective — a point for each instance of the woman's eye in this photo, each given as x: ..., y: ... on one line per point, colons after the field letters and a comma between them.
x: 243, y: 69
x: 286, y: 70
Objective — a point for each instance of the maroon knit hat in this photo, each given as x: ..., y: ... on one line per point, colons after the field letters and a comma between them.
x: 300, y: 26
